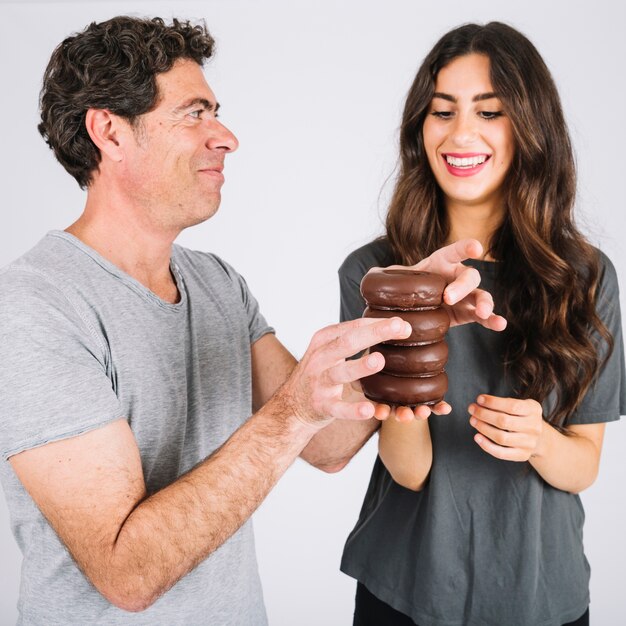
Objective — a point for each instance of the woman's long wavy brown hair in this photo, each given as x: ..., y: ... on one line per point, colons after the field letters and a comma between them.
x: 551, y: 272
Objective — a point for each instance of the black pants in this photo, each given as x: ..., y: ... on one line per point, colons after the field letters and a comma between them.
x: 370, y: 611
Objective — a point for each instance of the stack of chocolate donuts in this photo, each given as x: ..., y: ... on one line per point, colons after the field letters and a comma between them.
x: 414, y: 367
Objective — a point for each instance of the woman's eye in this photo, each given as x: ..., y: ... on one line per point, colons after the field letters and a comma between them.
x: 490, y: 115
x: 443, y: 115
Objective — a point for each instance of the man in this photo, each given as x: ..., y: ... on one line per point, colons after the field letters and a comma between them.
x: 147, y: 406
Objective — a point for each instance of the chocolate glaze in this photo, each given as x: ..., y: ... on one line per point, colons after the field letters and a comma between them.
x: 413, y: 360
x: 402, y: 289
x: 389, y: 389
x: 429, y: 325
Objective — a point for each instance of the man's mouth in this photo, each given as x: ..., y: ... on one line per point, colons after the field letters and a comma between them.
x: 213, y: 168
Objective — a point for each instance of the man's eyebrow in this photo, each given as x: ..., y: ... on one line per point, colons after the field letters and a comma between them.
x: 478, y: 98
x: 203, y: 102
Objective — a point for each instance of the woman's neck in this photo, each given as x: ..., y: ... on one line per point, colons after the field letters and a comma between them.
x: 475, y: 222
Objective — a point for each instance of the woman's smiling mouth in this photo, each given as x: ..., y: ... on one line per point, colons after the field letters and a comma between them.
x: 466, y: 164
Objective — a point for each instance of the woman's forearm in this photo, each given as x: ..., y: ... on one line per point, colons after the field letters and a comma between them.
x: 406, y: 450
x: 569, y: 461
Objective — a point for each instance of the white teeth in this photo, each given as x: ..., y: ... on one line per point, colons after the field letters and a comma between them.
x: 466, y: 161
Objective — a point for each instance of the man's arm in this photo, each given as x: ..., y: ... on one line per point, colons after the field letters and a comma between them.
x: 132, y: 545
x: 333, y: 446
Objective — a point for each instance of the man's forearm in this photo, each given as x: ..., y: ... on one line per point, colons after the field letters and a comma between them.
x: 332, y: 448
x: 172, y: 531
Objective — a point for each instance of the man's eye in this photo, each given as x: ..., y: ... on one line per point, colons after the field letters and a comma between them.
x: 196, y: 114
x: 443, y: 115
x: 490, y: 115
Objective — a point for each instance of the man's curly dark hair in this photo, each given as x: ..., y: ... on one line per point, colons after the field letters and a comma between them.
x: 112, y: 65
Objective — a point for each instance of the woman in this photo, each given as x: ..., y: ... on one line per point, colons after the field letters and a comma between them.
x: 473, y: 518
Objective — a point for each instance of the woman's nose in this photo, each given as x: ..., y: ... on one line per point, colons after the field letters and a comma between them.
x: 464, y: 131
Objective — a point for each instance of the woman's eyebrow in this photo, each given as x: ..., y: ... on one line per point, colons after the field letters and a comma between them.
x: 477, y: 98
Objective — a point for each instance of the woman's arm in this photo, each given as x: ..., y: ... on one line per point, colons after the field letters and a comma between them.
x: 406, y: 450
x: 514, y: 430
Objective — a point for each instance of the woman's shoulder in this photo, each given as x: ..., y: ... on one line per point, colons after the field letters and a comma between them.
x: 376, y: 253
x: 607, y: 272
x: 606, y: 276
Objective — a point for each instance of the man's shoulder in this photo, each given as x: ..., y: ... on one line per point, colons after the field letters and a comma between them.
x: 376, y: 253
x: 36, y: 270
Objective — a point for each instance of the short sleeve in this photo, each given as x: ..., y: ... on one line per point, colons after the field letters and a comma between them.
x: 606, y: 399
x: 351, y: 301
x: 53, y: 372
x: 257, y: 324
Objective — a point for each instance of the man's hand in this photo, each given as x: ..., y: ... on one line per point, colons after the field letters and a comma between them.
x: 316, y: 390
x: 464, y: 302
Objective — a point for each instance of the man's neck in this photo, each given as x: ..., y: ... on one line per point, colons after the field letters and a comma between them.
x: 126, y: 238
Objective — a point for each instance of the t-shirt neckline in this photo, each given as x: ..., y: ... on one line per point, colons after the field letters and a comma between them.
x: 127, y: 279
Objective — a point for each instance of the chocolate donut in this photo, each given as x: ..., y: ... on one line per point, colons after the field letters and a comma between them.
x: 413, y: 372
x: 386, y: 388
x: 402, y: 289
x: 413, y: 360
x: 429, y: 325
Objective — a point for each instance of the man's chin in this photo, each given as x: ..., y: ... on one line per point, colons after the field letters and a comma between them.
x: 202, y: 214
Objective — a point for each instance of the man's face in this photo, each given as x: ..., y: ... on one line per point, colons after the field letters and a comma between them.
x: 173, y: 169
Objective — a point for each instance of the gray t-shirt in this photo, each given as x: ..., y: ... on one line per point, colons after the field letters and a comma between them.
x: 487, y: 542
x: 83, y: 344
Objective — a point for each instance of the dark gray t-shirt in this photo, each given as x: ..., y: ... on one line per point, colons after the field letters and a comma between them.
x: 83, y: 344
x: 487, y: 542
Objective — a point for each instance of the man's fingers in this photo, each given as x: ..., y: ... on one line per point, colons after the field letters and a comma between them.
x: 329, y: 333
x: 363, y: 336
x: 346, y: 372
x: 352, y: 410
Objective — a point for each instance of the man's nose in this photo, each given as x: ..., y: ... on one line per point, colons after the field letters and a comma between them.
x: 220, y: 138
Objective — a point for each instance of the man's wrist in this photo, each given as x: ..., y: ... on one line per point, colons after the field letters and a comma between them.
x: 284, y: 408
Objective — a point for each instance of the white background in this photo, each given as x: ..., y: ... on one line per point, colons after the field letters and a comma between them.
x: 314, y: 91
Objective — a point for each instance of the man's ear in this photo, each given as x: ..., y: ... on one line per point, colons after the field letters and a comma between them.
x: 107, y: 131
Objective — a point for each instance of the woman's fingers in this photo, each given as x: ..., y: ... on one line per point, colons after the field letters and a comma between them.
x: 466, y: 281
x: 508, y: 428
x: 477, y: 307
x: 445, y: 259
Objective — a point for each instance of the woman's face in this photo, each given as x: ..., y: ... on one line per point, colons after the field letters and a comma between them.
x: 467, y: 136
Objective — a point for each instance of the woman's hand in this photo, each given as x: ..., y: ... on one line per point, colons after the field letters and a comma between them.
x: 464, y: 301
x: 508, y: 428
